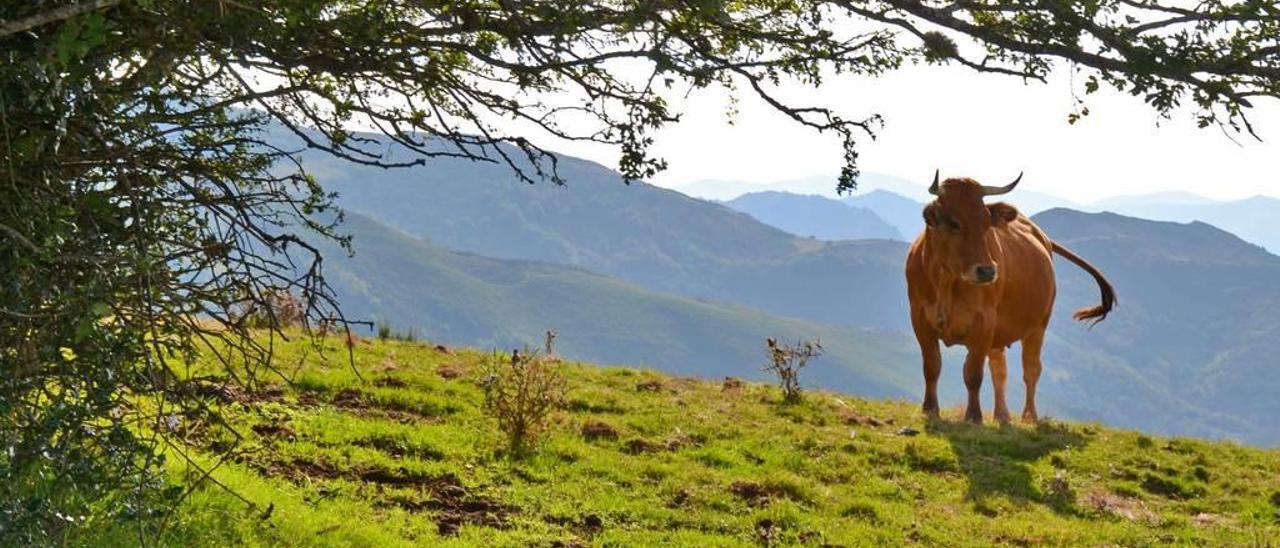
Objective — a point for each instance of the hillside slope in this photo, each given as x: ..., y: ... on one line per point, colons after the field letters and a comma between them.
x: 1252, y: 219
x: 659, y: 239
x: 478, y: 301
x: 903, y: 213
x: 408, y: 458
x: 1197, y: 317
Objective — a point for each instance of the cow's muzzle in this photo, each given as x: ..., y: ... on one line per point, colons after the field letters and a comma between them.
x: 984, y: 274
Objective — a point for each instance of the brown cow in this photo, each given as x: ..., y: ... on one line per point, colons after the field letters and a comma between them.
x: 981, y: 275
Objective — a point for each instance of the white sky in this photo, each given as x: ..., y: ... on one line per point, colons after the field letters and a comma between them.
x: 985, y: 126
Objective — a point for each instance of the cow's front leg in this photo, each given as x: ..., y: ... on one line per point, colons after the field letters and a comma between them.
x: 973, y: 365
x: 931, y: 356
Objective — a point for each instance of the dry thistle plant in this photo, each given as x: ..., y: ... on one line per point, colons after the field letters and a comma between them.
x: 549, y: 346
x: 787, y: 360
x: 521, y: 392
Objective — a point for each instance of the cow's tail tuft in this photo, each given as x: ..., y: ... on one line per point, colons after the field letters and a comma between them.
x: 1098, y: 313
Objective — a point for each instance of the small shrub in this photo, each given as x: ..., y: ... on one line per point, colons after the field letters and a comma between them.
x: 384, y: 331
x: 521, y: 391
x: 786, y: 361
x: 1058, y: 491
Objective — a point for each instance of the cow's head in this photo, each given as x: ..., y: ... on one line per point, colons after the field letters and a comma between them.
x: 959, y: 226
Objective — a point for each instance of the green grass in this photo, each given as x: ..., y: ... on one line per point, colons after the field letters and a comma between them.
x: 406, y: 457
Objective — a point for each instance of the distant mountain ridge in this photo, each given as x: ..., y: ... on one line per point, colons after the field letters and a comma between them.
x: 1255, y: 219
x: 902, y: 212
x: 809, y: 215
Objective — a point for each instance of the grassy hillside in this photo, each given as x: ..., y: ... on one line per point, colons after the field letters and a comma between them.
x: 406, y: 457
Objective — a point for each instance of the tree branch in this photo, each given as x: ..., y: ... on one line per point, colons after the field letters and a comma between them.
x: 56, y: 14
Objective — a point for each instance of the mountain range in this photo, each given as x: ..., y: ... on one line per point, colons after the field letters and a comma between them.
x: 466, y: 299
x: 815, y: 216
x: 897, y: 202
x: 644, y: 275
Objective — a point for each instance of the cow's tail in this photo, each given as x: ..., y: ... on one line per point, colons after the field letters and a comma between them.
x: 1095, y: 313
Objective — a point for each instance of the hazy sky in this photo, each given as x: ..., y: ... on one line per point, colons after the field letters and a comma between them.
x: 986, y: 126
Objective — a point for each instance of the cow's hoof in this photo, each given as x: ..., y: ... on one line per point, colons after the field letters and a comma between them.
x: 973, y: 415
x: 931, y: 412
x: 1002, y: 416
x: 1030, y: 417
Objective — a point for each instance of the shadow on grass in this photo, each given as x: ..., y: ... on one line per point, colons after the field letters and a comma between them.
x: 999, y: 460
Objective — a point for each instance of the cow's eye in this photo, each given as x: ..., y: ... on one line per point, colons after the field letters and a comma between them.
x: 953, y: 225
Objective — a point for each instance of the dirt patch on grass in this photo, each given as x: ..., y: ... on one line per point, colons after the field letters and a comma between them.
x: 301, y: 470
x: 358, y: 403
x: 652, y: 385
x: 586, y: 526
x: 227, y: 393
x: 639, y: 446
x: 597, y: 430
x: 853, y: 418
x: 1110, y: 503
x: 1018, y: 540
x: 390, y: 382
x: 450, y: 371
x: 399, y: 449
x: 759, y: 494
x: 274, y: 430
x: 1205, y: 519
x: 350, y: 398
x: 297, y: 470
x: 677, y: 441
x: 679, y: 499
x: 454, y: 505
x: 767, y: 532
x: 732, y: 384
x: 681, y: 440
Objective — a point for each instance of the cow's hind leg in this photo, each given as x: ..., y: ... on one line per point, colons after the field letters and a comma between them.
x: 999, y: 373
x: 1031, y: 372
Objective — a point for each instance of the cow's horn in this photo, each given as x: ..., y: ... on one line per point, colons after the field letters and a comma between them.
x: 997, y: 190
x: 933, y: 188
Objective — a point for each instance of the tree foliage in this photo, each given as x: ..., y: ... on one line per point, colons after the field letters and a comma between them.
x: 146, y: 203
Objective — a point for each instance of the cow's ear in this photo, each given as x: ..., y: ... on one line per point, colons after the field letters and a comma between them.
x: 1002, y: 213
x: 931, y: 214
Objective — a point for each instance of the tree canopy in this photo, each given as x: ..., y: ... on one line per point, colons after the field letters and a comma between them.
x: 148, y: 212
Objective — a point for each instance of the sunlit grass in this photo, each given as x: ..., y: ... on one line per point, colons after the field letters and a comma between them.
x: 400, y: 455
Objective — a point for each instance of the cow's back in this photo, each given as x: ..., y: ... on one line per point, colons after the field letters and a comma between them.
x: 1028, y: 289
